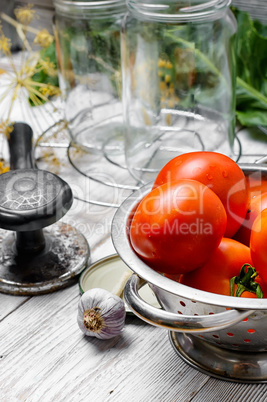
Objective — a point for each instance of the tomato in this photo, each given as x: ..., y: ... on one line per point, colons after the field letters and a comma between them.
x: 256, y: 184
x: 258, y: 241
x: 225, y: 263
x: 257, y: 204
x: 218, y: 172
x: 177, y: 226
x: 249, y: 295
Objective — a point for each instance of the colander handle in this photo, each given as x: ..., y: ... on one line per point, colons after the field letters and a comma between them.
x: 178, y: 322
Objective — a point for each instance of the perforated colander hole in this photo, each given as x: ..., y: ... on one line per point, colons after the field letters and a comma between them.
x: 179, y: 312
x: 245, y: 319
x: 182, y: 303
x: 251, y: 331
x: 247, y: 340
x: 216, y: 336
x: 195, y: 314
x: 230, y: 334
x: 211, y: 313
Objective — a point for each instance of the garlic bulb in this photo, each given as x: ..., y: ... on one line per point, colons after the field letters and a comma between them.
x: 101, y: 314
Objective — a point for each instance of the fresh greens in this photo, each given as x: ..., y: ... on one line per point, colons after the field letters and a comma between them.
x: 251, y: 58
x: 46, y: 71
x: 251, y: 63
x: 251, y: 68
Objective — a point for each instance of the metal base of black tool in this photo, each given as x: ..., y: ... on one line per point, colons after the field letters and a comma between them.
x: 65, y: 255
x: 218, y: 362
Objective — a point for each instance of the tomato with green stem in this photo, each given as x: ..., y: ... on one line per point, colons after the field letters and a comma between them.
x: 224, y: 264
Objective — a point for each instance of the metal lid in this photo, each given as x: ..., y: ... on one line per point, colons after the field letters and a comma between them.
x: 106, y: 274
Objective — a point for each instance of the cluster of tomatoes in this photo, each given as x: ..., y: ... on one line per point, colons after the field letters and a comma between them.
x: 202, y: 222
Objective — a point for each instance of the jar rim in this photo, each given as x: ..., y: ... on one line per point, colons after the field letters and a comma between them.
x: 159, y: 10
x: 83, y: 6
x: 87, y: 3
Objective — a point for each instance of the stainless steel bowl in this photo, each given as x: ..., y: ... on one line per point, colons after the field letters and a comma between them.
x: 236, y: 324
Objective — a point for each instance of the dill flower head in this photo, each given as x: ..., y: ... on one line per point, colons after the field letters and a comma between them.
x: 48, y: 67
x: 50, y: 90
x: 5, y: 43
x: 3, y: 167
x: 6, y: 127
x: 28, y: 82
x: 25, y: 14
x: 43, y: 38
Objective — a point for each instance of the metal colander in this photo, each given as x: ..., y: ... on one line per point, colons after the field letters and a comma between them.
x: 232, y: 323
x: 249, y: 334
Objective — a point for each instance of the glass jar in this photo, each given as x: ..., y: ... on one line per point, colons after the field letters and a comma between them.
x: 178, y: 76
x: 88, y: 51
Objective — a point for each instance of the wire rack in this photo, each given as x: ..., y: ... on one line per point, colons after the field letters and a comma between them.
x: 104, y: 177
x: 107, y: 174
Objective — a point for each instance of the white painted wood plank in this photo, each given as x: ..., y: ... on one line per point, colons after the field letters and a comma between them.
x: 9, y: 303
x: 224, y: 391
x: 49, y: 359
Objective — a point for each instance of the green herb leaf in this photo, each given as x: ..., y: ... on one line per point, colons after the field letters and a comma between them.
x: 251, y: 62
x: 46, y: 54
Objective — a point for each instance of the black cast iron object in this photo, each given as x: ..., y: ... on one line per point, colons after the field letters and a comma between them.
x: 34, y: 260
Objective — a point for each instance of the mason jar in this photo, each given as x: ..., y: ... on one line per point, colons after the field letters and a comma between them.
x: 178, y: 79
x: 87, y: 37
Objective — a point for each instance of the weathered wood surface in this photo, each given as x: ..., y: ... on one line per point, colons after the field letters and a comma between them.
x: 44, y: 356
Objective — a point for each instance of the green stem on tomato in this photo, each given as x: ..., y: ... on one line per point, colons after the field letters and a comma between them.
x: 245, y: 281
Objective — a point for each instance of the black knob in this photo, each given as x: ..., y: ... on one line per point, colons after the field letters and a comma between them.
x: 30, y: 199
x: 35, y: 259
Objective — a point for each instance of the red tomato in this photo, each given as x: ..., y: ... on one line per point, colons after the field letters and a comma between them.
x: 251, y: 295
x: 219, y: 173
x: 224, y: 264
x: 257, y: 204
x: 177, y: 226
x: 256, y: 185
x: 258, y: 242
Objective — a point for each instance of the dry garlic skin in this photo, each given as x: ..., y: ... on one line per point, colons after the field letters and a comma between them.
x: 101, y: 314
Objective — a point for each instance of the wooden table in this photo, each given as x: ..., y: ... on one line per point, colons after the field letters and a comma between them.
x: 44, y: 356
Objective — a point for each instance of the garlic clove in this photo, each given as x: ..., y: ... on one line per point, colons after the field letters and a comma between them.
x: 101, y: 314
